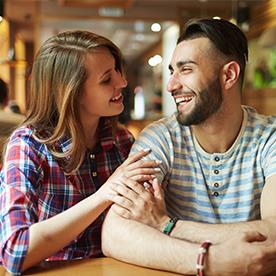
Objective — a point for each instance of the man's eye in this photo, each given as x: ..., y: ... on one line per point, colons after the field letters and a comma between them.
x: 186, y: 69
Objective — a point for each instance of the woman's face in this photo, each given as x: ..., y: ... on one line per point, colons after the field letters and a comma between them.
x: 101, y: 95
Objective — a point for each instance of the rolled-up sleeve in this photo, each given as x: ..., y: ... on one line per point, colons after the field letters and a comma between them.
x: 18, y: 202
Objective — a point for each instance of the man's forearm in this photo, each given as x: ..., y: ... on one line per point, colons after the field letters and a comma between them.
x: 140, y: 244
x: 199, y: 232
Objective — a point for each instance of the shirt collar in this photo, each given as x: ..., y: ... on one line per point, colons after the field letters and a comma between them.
x: 106, y: 139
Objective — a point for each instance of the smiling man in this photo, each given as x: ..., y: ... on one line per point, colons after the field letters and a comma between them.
x: 218, y: 169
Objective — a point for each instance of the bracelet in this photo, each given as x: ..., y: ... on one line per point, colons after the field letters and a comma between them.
x: 169, y: 226
x: 202, y: 252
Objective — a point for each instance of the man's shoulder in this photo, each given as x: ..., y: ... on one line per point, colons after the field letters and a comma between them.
x: 256, y: 119
x: 163, y: 125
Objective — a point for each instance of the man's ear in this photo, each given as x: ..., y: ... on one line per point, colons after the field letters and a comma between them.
x: 230, y: 74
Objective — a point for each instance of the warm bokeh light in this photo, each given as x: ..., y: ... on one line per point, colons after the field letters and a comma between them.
x: 156, y: 27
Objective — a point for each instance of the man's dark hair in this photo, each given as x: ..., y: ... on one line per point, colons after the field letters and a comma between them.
x: 227, y: 38
x: 3, y: 92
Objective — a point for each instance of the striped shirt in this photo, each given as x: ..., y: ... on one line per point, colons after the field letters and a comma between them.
x: 217, y: 187
x: 34, y: 187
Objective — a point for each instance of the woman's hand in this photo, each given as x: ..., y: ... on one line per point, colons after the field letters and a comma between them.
x: 134, y: 201
x: 133, y: 169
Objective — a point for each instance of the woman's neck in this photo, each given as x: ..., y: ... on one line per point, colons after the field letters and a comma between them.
x: 91, y: 134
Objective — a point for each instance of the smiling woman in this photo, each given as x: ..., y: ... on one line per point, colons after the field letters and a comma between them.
x: 67, y: 156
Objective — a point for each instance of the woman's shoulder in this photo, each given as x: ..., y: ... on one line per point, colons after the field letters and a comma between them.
x: 24, y: 137
x: 123, y: 134
x: 23, y: 132
x: 123, y: 138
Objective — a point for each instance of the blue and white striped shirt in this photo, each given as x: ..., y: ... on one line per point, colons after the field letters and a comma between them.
x: 218, y: 187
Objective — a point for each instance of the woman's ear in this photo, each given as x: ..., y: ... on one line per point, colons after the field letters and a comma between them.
x: 230, y: 74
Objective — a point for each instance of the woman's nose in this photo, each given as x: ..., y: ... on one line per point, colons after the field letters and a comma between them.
x: 121, y: 80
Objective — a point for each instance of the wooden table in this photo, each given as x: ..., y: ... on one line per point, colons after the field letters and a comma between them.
x: 92, y: 267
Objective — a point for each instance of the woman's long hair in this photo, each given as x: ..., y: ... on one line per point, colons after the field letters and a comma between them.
x: 57, y: 78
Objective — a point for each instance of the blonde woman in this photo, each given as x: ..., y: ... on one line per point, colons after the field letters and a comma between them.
x: 62, y: 164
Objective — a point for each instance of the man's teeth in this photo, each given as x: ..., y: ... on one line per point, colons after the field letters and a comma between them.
x: 116, y: 98
x: 183, y: 99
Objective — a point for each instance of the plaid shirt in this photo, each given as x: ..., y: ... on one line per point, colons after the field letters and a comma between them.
x: 33, y: 187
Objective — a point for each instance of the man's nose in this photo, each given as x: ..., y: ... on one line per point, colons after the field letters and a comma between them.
x: 173, y: 84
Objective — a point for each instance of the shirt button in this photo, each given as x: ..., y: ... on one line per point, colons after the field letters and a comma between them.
x: 92, y: 156
x: 217, y: 159
x: 216, y: 194
x: 94, y: 174
x: 216, y: 171
x: 216, y: 185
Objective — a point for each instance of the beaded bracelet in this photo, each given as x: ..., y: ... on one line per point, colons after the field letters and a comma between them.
x: 169, y: 226
x: 202, y: 252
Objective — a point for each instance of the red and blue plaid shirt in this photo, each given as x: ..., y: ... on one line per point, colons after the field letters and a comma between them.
x: 33, y: 187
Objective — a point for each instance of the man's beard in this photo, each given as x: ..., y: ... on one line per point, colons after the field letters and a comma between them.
x: 208, y: 102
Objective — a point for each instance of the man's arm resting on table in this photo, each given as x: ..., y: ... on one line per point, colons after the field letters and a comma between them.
x: 198, y: 232
x: 137, y: 243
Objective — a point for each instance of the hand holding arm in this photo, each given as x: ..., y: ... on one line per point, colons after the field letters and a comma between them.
x: 142, y: 206
x: 25, y: 236
x: 56, y: 232
x: 133, y: 201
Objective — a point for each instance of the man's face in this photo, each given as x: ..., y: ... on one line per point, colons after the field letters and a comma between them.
x: 194, y: 81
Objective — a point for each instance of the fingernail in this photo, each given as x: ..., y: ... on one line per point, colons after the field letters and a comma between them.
x: 109, y: 196
x: 146, y: 185
x: 158, y: 162
x: 147, y: 150
x: 157, y: 169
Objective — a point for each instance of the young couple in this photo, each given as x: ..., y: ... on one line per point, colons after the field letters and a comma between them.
x: 208, y: 176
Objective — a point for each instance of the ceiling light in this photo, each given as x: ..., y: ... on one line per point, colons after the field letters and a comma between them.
x: 216, y: 17
x: 155, y: 60
x: 156, y: 27
x: 1, y: 19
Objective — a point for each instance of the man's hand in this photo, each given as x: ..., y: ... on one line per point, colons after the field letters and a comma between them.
x: 245, y: 255
x: 134, y: 201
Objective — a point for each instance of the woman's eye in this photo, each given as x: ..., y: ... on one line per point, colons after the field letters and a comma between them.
x: 106, y: 81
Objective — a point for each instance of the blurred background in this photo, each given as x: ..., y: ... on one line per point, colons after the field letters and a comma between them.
x: 146, y: 31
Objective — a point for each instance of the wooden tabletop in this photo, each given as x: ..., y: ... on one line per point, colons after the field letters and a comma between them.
x: 97, y: 267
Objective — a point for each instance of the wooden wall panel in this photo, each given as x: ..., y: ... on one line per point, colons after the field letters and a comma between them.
x: 262, y: 16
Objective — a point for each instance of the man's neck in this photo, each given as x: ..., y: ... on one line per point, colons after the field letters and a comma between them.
x: 220, y: 131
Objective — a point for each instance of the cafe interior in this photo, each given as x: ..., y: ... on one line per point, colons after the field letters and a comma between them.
x: 146, y: 31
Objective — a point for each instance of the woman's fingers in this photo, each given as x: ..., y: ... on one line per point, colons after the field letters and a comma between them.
x: 122, y: 212
x: 158, y: 191
x: 141, y: 171
x: 136, y: 156
x: 122, y: 200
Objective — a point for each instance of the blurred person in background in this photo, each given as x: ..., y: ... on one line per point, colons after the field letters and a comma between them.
x: 8, y: 119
